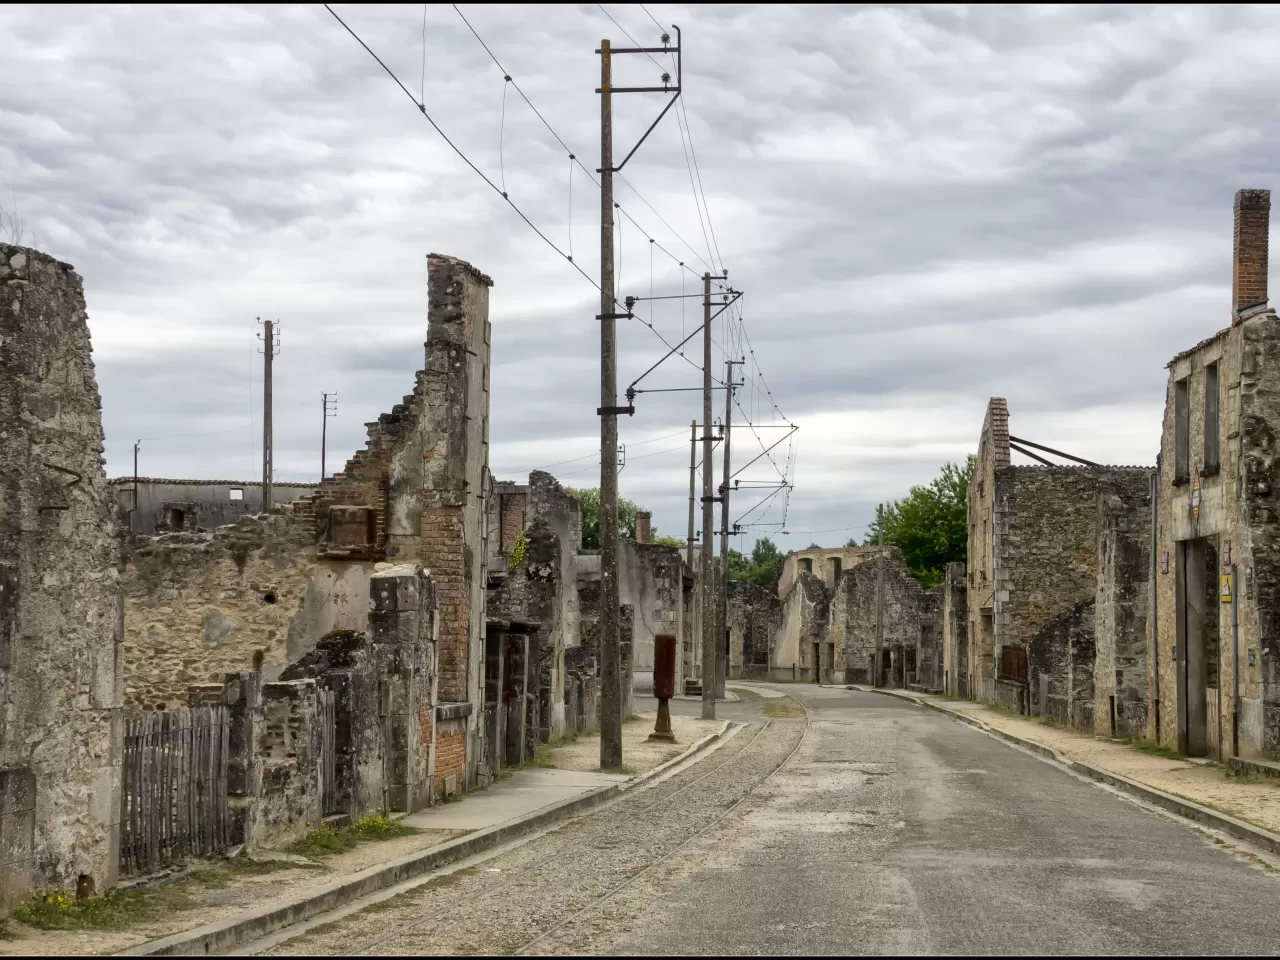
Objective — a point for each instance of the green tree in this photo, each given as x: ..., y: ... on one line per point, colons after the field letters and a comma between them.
x: 930, y: 526
x: 589, y: 497
x: 761, y: 568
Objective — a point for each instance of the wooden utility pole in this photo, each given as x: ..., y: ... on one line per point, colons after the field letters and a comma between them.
x: 693, y: 466
x: 329, y: 411
x: 268, y: 337
x: 722, y: 611
x: 610, y: 659
x: 709, y: 644
x: 878, y: 675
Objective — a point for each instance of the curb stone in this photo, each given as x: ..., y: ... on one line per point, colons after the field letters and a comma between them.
x: 1174, y: 804
x: 224, y: 935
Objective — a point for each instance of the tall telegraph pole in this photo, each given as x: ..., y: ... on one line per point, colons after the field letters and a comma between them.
x: 722, y: 611
x: 709, y: 644
x: 329, y: 411
x: 270, y: 346
x: 610, y: 662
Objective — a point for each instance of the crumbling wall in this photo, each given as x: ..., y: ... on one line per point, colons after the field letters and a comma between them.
x: 455, y: 483
x: 248, y: 596
x: 1121, y: 690
x: 955, y: 631
x: 1046, y: 545
x: 1060, y: 659
x: 60, y: 622
x: 993, y: 457
x: 147, y: 505
x: 804, y: 620
x: 854, y: 614
x: 929, y: 670
x: 755, y: 616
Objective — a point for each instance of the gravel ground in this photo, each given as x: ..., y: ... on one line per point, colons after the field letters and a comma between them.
x: 565, y: 892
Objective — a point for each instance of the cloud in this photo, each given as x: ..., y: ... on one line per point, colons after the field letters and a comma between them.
x: 926, y: 206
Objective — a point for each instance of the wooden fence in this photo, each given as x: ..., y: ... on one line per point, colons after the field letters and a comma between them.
x: 174, y: 791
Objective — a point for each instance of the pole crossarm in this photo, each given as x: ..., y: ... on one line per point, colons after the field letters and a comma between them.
x: 765, y: 451
x: 631, y: 389
x: 665, y: 88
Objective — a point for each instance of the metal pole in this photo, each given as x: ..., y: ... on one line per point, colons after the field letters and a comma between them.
x: 709, y: 644
x: 693, y: 462
x: 268, y: 352
x: 722, y: 611
x: 610, y: 665
x: 879, y: 596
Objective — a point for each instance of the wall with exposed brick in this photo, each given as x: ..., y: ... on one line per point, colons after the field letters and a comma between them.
x: 60, y: 623
x: 992, y: 456
x: 455, y: 479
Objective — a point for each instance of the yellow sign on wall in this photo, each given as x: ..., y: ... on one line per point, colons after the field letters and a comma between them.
x: 1225, y: 591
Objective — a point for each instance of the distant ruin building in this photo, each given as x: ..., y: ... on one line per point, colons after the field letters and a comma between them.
x: 60, y: 623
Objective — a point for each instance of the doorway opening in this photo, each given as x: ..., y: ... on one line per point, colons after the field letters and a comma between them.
x: 1196, y: 655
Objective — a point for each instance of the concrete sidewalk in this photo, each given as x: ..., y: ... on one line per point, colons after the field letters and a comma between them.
x: 1245, y: 807
x: 524, y: 793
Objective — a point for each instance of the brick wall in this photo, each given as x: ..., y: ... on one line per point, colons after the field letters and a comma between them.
x: 451, y: 755
x: 511, y: 521
x: 444, y: 553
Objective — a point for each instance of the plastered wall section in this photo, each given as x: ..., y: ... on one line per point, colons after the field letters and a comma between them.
x: 1237, y: 505
x: 248, y: 596
x: 60, y: 623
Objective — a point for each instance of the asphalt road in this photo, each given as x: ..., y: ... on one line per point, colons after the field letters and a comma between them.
x: 895, y: 829
x: 874, y: 826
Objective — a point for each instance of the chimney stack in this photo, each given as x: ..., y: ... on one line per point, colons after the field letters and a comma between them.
x: 644, y: 521
x: 1249, y: 263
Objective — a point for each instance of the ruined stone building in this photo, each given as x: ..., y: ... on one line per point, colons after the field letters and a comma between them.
x: 262, y: 594
x: 60, y: 620
x: 1047, y: 544
x: 830, y: 611
x: 1217, y: 596
x: 955, y: 631
x: 655, y: 588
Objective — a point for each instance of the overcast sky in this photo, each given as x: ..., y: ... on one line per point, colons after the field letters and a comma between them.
x: 926, y: 207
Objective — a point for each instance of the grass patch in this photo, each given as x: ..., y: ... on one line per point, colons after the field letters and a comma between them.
x: 1156, y: 749
x: 632, y: 718
x: 1242, y: 776
x: 114, y: 910
x: 784, y: 707
x: 324, y: 840
x: 747, y: 694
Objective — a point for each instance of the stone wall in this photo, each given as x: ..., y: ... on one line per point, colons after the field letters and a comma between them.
x: 955, y: 631
x: 853, y: 617
x: 804, y: 622
x: 929, y: 656
x: 60, y: 620
x: 755, y: 616
x: 1046, y: 543
x: 1120, y: 685
x: 993, y: 456
x: 249, y: 596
